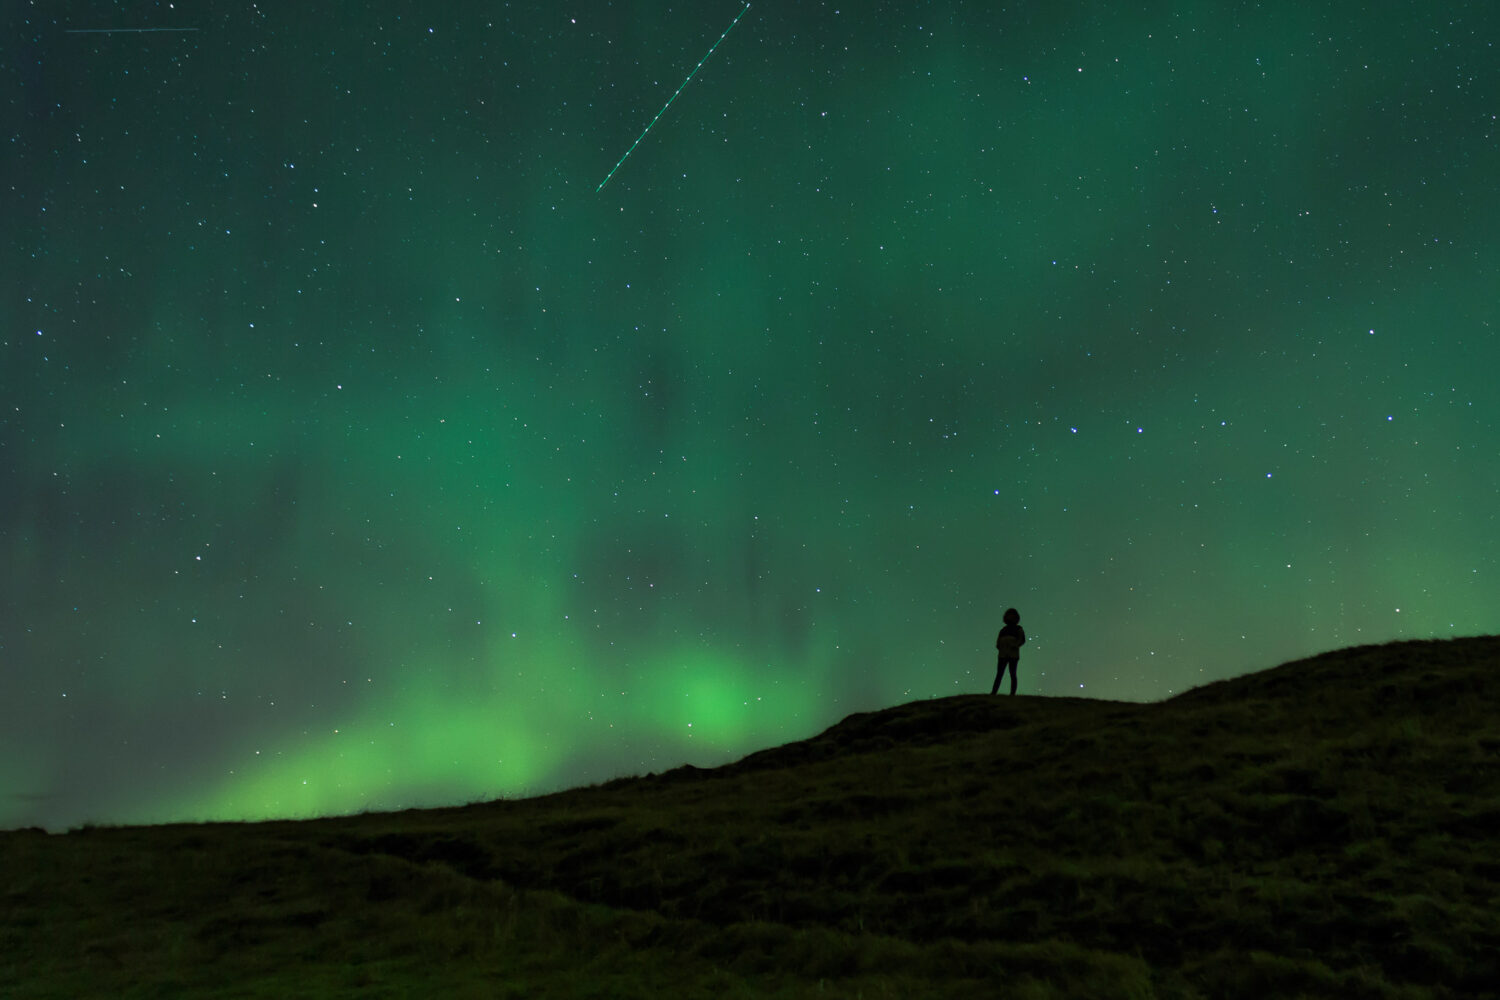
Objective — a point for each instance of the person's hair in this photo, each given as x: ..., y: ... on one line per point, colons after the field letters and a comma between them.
x: 1012, y: 616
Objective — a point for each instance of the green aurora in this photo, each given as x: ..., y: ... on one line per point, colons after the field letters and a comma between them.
x: 358, y: 451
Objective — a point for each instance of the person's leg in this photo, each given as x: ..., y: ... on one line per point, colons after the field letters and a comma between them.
x: 999, y: 673
x: 1013, y: 664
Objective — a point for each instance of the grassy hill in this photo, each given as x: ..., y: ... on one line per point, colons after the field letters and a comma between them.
x: 1327, y: 828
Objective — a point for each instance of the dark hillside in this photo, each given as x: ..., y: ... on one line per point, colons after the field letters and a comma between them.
x: 1324, y: 828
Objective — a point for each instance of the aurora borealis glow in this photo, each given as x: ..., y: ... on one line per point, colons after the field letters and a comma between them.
x: 356, y: 452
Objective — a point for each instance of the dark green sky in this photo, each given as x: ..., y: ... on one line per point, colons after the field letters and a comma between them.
x: 357, y: 451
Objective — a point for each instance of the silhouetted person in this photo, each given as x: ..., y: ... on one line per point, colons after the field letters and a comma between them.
x: 1009, y: 642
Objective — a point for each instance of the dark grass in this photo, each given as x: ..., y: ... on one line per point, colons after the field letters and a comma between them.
x: 1327, y: 828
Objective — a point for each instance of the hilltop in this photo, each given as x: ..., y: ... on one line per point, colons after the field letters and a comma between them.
x: 1324, y: 828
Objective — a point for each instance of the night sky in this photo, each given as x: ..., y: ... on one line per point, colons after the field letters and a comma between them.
x: 358, y: 451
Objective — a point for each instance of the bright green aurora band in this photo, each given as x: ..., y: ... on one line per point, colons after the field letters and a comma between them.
x: 356, y: 453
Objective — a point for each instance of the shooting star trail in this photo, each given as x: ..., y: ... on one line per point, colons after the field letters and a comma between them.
x: 119, y: 31
x: 664, y: 107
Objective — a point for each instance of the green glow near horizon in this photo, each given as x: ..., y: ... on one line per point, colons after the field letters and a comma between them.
x: 341, y: 421
x: 701, y: 711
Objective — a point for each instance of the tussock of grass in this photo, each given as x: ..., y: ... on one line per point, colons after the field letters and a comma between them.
x: 1323, y: 829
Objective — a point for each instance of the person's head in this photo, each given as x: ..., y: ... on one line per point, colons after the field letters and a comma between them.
x: 1012, y: 616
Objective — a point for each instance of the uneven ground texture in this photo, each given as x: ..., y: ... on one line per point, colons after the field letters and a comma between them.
x: 1326, y: 828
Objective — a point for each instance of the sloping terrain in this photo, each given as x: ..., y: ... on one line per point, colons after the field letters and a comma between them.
x: 1324, y: 828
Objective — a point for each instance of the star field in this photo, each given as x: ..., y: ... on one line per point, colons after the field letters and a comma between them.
x: 358, y: 449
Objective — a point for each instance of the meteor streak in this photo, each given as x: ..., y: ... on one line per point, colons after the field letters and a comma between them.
x: 664, y: 107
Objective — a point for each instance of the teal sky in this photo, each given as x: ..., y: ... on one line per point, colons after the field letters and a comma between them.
x: 358, y: 451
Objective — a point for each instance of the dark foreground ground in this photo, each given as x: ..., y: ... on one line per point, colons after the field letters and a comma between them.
x: 1324, y: 829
